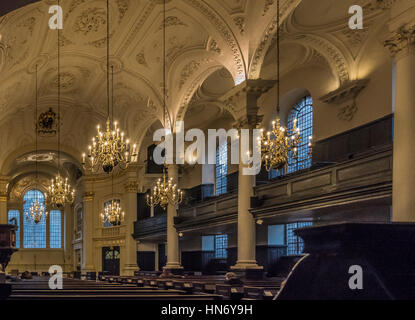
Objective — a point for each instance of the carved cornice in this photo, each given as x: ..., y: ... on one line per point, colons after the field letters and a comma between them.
x: 345, y: 97
x: 401, y: 41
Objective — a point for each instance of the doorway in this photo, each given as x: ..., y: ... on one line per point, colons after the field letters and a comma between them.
x: 111, y: 260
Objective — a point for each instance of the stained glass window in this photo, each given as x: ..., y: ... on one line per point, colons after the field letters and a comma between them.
x: 34, y: 235
x: 55, y: 229
x: 295, y: 245
x: 221, y: 168
x: 15, y: 214
x: 303, y: 112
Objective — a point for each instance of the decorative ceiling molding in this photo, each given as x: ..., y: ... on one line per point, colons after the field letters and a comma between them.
x: 225, y: 32
x: 191, y: 89
x: 171, y: 21
x: 266, y: 39
x: 401, y: 41
x: 334, y: 56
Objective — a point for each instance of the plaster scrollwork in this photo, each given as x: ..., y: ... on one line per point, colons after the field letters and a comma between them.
x: 267, y: 6
x: 141, y: 58
x: 333, y: 55
x: 225, y: 32
x: 171, y: 22
x: 190, y: 91
x: 266, y: 40
x: 401, y: 41
x: 214, y: 47
x: 240, y: 23
x: 90, y: 20
x: 189, y: 69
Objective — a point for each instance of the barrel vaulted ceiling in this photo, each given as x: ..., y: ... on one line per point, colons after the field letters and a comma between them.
x: 210, y: 45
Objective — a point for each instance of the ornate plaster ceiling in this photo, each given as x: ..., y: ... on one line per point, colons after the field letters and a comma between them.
x: 204, y: 38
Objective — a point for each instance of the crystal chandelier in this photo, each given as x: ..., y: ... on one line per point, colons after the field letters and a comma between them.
x: 113, y: 213
x: 37, y: 212
x: 60, y: 191
x: 279, y: 145
x: 165, y: 192
x: 109, y: 148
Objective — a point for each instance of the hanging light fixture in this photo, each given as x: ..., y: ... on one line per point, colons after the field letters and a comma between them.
x: 112, y: 212
x: 280, y: 144
x: 165, y: 191
x: 110, y: 148
x: 60, y: 191
x: 37, y: 211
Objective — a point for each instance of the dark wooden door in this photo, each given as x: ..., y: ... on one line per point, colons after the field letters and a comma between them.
x: 111, y: 260
x: 162, y: 255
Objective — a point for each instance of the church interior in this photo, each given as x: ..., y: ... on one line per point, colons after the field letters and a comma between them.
x: 85, y: 88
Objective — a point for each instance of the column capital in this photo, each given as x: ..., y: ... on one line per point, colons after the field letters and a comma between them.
x: 401, y: 42
x: 131, y: 186
x: 242, y: 100
x: 248, y: 122
x: 89, y: 196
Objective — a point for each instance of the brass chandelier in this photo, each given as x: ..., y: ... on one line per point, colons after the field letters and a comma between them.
x: 37, y: 211
x: 113, y: 213
x: 280, y: 145
x: 60, y: 191
x: 165, y: 192
x: 109, y: 148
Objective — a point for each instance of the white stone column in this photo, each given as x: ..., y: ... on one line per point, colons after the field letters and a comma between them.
x: 131, y: 189
x: 173, y: 252
x: 402, y: 47
x: 246, y: 222
x: 244, y: 99
x: 3, y: 201
x: 88, y: 264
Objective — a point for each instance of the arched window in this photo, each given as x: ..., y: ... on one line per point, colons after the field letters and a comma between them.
x: 15, y: 214
x: 55, y: 229
x: 303, y: 112
x: 221, y: 168
x: 34, y: 235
